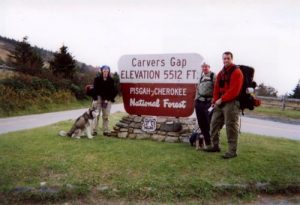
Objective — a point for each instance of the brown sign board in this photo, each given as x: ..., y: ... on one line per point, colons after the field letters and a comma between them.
x: 160, y: 84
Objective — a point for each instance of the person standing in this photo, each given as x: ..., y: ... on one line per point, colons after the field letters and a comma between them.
x: 105, y: 92
x: 227, y: 108
x: 203, y: 101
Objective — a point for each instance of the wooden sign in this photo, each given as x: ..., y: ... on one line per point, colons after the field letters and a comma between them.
x: 160, y: 85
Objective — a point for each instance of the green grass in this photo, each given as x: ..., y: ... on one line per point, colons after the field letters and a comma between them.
x: 143, y: 169
x: 53, y: 107
x: 276, y: 112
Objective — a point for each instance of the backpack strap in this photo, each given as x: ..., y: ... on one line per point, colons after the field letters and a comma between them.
x: 211, y: 77
x: 226, y: 76
x: 229, y: 73
x: 202, y: 74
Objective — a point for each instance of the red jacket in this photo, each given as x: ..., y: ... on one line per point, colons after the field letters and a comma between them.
x: 231, y: 90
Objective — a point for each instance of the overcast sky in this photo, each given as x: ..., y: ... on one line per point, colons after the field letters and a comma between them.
x: 263, y: 34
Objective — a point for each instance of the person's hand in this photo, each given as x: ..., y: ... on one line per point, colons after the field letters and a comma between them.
x: 219, y: 101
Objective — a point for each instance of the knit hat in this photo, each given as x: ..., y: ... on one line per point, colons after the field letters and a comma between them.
x: 106, y: 67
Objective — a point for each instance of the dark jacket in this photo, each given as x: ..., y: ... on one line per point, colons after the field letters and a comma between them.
x: 105, y: 88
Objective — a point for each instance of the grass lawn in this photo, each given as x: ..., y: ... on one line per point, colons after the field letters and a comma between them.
x: 55, y: 107
x: 276, y: 112
x: 143, y: 169
x: 52, y: 107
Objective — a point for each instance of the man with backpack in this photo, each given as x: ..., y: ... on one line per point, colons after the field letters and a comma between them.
x: 227, y: 88
x: 203, y: 100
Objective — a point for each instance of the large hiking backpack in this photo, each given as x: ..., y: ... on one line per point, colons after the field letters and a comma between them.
x: 246, y: 97
x: 89, y: 90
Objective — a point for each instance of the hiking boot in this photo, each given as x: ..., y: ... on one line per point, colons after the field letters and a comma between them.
x: 106, y: 133
x: 212, y: 149
x: 229, y: 155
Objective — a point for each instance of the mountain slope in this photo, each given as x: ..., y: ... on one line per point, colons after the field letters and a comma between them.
x: 7, y: 45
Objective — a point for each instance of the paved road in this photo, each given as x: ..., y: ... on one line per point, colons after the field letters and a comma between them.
x: 251, y: 125
x: 31, y: 121
x: 269, y: 128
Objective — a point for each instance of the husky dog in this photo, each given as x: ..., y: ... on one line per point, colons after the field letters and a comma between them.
x: 200, y: 143
x: 82, y: 125
x: 196, y: 139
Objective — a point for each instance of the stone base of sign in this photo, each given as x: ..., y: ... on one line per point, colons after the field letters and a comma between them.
x: 168, y: 129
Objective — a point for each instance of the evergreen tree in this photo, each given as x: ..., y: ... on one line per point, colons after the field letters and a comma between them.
x: 296, y: 91
x: 25, y: 58
x: 116, y: 79
x: 36, y: 61
x: 21, y: 54
x: 63, y: 63
x: 263, y: 90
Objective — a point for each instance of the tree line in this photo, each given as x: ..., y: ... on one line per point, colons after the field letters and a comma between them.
x: 269, y: 91
x: 60, y: 65
x: 40, y: 81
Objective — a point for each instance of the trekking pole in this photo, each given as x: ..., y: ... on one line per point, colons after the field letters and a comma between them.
x: 240, y: 127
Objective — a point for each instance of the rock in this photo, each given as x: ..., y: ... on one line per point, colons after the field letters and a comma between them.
x: 138, y: 125
x: 158, y: 138
x: 169, y: 122
x: 158, y: 126
x: 186, y: 134
x: 184, y: 130
x: 48, y: 190
x: 184, y: 139
x: 102, y: 187
x: 142, y: 136
x: 262, y: 186
x: 130, y: 130
x: 122, y: 134
x: 116, y: 128
x: 191, y: 127
x: 225, y: 186
x: 161, y: 133
x: 171, y: 127
x: 161, y: 120
x: 184, y: 126
x: 23, y: 189
x: 127, y: 118
x: 173, y: 134
x: 138, y: 131
x: 113, y: 133
x: 172, y: 119
x: 122, y: 125
x: 43, y: 184
x: 124, y: 130
x: 171, y: 139
x: 132, y: 136
x: 138, y: 119
x: 151, y: 132
x: 132, y: 125
x: 188, y: 121
x: 125, y: 121
x: 131, y: 117
x: 70, y: 186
